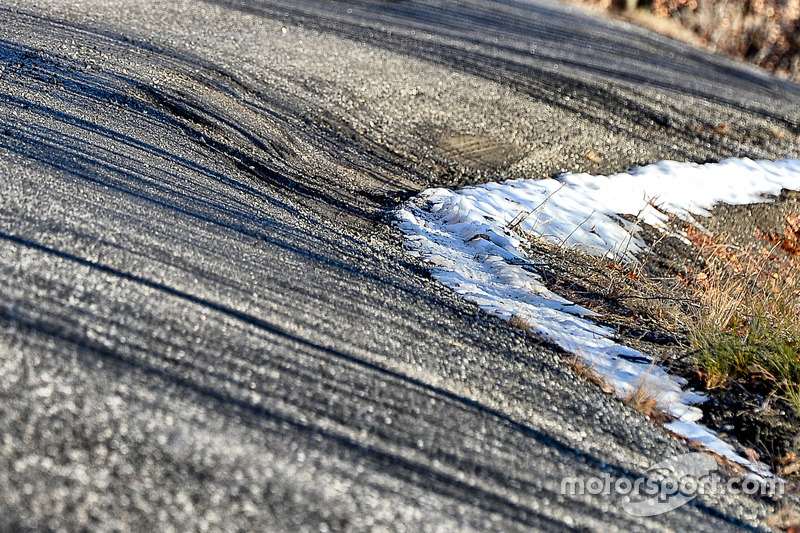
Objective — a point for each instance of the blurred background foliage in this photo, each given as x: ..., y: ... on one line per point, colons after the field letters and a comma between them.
x: 763, y: 32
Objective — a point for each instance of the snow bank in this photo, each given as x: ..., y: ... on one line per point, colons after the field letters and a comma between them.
x: 467, y: 237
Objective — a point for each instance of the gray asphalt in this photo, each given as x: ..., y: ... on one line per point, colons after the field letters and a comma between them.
x: 208, y: 321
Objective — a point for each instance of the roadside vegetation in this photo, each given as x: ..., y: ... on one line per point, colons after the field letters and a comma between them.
x: 763, y: 32
x: 723, y: 315
x: 748, y: 331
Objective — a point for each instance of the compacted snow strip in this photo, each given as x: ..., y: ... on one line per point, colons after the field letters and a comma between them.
x: 472, y: 239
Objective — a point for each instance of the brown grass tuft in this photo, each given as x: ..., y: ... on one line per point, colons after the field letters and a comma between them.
x: 518, y: 322
x: 585, y: 371
x: 643, y: 403
x: 786, y: 518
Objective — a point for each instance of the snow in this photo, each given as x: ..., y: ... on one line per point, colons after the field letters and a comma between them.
x: 466, y: 237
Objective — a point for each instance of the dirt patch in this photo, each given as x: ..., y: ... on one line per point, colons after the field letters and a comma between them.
x: 478, y: 152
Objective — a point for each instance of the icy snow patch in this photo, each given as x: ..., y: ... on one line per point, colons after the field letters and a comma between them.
x: 466, y: 236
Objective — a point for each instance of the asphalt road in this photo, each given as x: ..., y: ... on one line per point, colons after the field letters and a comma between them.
x: 208, y: 321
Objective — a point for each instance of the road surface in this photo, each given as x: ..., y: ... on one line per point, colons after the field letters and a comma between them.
x: 208, y: 321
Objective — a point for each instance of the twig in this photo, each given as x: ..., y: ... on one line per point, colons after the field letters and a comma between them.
x: 670, y: 298
x: 541, y: 204
x: 571, y: 233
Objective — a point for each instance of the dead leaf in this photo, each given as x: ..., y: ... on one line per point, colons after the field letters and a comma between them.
x: 789, y: 240
x: 790, y: 469
x: 789, y: 458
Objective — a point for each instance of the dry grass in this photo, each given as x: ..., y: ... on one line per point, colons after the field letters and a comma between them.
x: 749, y: 327
x: 739, y: 317
x: 585, y: 371
x: 762, y: 32
x: 735, y: 325
x: 641, y: 401
x: 624, y: 295
x: 786, y: 517
x: 625, y: 298
x: 518, y: 322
